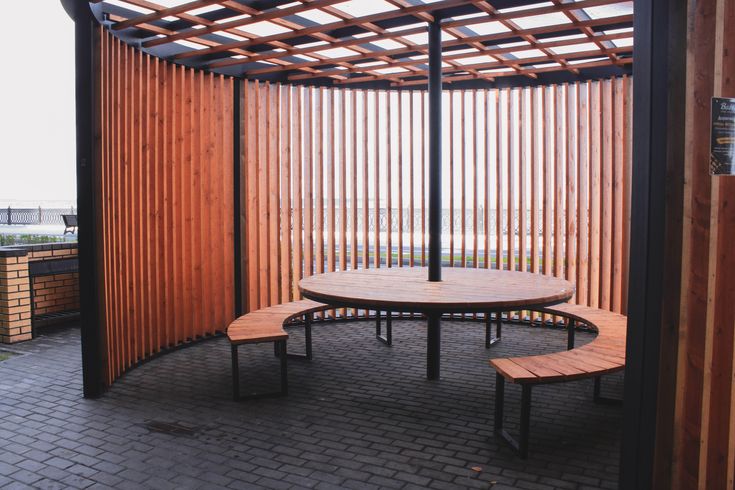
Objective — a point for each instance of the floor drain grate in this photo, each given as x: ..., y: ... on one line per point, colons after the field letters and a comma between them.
x: 170, y: 428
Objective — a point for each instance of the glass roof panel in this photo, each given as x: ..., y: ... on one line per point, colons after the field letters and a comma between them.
x: 265, y: 28
x: 360, y: 8
x: 574, y: 48
x: 535, y: 21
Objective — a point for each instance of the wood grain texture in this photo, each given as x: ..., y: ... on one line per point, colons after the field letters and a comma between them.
x: 166, y: 150
x: 461, y: 289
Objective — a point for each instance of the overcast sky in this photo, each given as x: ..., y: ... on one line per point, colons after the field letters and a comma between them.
x: 37, y: 103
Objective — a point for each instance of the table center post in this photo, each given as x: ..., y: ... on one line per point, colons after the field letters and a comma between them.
x: 433, y: 337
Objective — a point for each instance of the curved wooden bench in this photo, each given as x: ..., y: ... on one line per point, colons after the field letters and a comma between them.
x: 605, y: 354
x: 266, y: 325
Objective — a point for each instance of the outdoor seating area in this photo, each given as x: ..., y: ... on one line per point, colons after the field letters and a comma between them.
x: 384, y: 244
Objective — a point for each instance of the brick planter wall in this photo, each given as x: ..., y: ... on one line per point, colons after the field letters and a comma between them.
x: 52, y: 293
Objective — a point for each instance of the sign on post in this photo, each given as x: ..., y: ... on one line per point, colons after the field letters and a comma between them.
x: 722, y: 146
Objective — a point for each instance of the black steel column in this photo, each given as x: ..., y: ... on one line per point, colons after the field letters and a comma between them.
x: 87, y: 89
x: 433, y: 345
x: 236, y: 133
x: 435, y: 150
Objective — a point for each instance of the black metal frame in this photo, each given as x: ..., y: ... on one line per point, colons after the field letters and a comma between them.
x: 660, y: 30
x: 435, y: 151
x: 280, y: 346
x: 388, y: 338
x: 94, y: 362
x: 489, y: 339
x: 308, y: 351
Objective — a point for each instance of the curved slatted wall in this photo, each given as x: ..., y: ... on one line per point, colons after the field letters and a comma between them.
x: 535, y: 179
x: 166, y: 203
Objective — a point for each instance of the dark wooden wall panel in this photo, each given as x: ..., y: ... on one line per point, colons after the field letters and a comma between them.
x: 166, y: 195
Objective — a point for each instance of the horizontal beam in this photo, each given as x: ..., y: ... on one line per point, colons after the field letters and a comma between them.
x: 407, y: 83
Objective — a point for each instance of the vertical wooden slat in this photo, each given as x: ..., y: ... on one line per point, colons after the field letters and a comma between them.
x: 595, y: 189
x: 285, y: 195
x: 388, y: 181
x: 463, y: 180
x: 522, y: 181
x: 298, y: 155
x: 331, y: 114
x: 570, y: 129
x: 607, y: 194
x: 400, y: 180
x: 548, y: 160
x: 319, y: 179
x: 376, y: 180
x: 343, y: 180
x: 475, y: 181
x: 365, y: 185
x: 535, y: 151
x: 510, y: 171
x: 262, y: 213
x: 308, y: 185
x: 273, y: 214
x: 583, y: 120
x: 451, y: 178
x: 559, y: 178
x: 227, y: 213
x: 488, y: 168
x: 411, y: 178
x: 354, y: 202
x: 618, y: 149
x: 423, y: 178
x: 499, y: 187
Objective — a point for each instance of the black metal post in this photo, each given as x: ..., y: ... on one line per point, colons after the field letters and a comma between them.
x: 237, y: 109
x: 433, y: 345
x: 86, y: 88
x: 435, y: 150
x: 570, y: 334
x: 235, y: 373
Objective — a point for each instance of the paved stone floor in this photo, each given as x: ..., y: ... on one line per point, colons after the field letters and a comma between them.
x: 360, y: 415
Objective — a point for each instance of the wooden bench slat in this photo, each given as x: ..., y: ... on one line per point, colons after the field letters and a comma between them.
x: 603, y: 355
x: 266, y: 324
x: 511, y: 370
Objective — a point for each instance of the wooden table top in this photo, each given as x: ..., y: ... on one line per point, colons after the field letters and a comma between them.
x: 461, y: 290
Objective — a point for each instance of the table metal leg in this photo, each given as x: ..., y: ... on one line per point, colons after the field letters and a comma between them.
x: 433, y: 346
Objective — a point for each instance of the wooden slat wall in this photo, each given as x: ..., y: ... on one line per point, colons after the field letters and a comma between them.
x: 166, y: 204
x: 552, y: 176
x: 704, y: 420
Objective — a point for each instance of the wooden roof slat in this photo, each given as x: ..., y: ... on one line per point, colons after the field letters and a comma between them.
x: 405, y: 83
x: 489, y: 51
x: 477, y: 66
x: 391, y: 67
x: 163, y: 13
x: 326, y: 27
x: 398, y: 51
x: 255, y: 18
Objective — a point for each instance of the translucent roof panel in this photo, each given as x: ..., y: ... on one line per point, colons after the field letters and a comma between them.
x: 384, y: 42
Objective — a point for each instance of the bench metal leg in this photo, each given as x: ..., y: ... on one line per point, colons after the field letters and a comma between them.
x: 388, y: 338
x: 571, y: 326
x: 308, y: 319
x: 235, y: 373
x: 521, y: 445
x: 489, y: 339
x: 280, y: 347
x: 603, y: 400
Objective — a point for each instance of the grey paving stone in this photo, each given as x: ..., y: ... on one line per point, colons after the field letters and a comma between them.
x: 360, y: 415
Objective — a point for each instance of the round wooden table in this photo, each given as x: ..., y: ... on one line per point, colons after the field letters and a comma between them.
x: 407, y: 289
